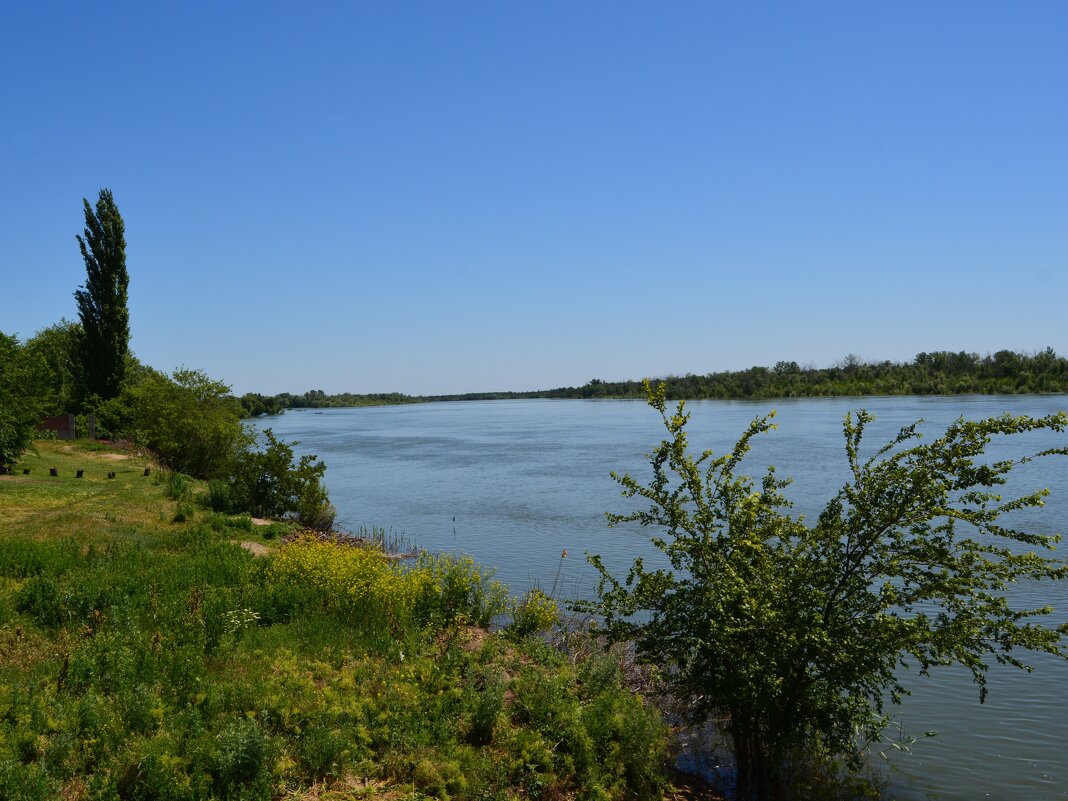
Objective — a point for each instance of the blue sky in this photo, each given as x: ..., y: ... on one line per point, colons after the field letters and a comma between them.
x: 443, y: 197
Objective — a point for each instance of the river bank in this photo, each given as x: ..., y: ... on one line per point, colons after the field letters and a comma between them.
x: 146, y: 653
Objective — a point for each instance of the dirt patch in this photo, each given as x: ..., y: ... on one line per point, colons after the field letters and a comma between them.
x: 113, y: 457
x: 255, y: 548
x: 473, y: 639
x: 261, y: 521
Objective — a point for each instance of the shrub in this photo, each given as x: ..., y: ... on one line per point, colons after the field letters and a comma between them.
x: 190, y: 421
x: 455, y: 588
x: 240, y: 757
x: 534, y: 612
x: 20, y: 782
x: 176, y: 486
x: 183, y: 512
x: 322, y: 752
x: 270, y: 482
x: 219, y: 498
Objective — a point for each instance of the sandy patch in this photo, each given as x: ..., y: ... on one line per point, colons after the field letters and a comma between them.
x: 255, y: 548
x: 260, y: 521
x: 114, y: 457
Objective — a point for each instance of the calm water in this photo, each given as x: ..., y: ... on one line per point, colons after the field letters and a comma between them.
x: 515, y: 483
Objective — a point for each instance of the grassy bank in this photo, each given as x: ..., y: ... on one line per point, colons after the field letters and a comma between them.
x: 144, y: 654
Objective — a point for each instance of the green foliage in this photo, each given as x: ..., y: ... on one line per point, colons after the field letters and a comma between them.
x: 794, y: 633
x: 189, y: 420
x: 103, y: 341
x: 253, y: 404
x: 455, y: 589
x: 362, y: 585
x: 219, y: 497
x: 56, y: 348
x: 533, y: 613
x: 176, y: 486
x: 938, y: 373
x: 39, y: 597
x: 23, y: 398
x: 269, y: 481
x: 151, y: 660
x: 239, y: 759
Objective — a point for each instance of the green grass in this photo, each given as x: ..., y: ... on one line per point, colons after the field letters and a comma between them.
x: 143, y: 658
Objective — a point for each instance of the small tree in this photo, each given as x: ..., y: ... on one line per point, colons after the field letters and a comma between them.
x: 104, y: 338
x: 23, y: 390
x: 791, y: 634
x: 269, y: 482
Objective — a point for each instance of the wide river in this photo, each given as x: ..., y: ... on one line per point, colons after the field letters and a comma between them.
x: 515, y: 483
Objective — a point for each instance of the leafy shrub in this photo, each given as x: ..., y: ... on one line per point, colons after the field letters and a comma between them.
x: 486, y: 708
x: 155, y: 770
x: 22, y: 401
x: 534, y: 612
x: 219, y: 498
x: 455, y: 588
x: 20, y: 782
x: 240, y: 758
x: 270, y: 482
x: 176, y: 486
x: 115, y: 416
x: 183, y: 512
x: 189, y: 420
x: 322, y: 752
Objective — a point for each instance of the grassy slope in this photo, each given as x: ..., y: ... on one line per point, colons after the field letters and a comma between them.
x: 146, y: 658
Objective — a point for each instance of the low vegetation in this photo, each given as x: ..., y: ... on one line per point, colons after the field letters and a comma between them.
x: 143, y: 658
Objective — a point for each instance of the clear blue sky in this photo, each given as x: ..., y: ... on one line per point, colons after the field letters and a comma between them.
x: 454, y: 196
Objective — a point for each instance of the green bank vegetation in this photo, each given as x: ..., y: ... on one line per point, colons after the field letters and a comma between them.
x: 146, y: 655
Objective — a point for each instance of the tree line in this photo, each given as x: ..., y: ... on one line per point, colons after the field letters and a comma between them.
x: 1005, y: 372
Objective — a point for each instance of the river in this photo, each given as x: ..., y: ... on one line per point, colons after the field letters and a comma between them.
x: 516, y: 483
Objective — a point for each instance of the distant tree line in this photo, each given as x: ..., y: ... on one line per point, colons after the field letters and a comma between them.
x: 937, y: 373
x: 254, y: 404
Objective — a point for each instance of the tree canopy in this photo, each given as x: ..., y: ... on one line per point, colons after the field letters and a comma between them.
x: 792, y: 633
x: 22, y: 400
x: 104, y: 338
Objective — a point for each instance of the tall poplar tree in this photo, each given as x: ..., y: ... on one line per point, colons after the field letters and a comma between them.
x: 104, y: 340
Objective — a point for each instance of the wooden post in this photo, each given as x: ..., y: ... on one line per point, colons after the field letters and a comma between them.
x: 25, y: 471
x: 148, y: 470
x: 80, y: 474
x: 111, y: 474
x: 52, y: 471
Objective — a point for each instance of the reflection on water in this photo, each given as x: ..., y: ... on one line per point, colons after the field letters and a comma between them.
x: 514, y: 483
